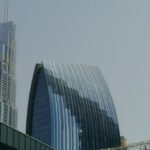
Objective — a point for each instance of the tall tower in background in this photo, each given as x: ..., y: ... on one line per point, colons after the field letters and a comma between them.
x: 8, y: 111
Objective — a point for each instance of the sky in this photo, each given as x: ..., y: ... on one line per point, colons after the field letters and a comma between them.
x: 112, y: 34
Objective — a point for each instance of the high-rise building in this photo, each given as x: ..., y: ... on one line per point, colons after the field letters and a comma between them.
x: 70, y: 108
x: 8, y: 111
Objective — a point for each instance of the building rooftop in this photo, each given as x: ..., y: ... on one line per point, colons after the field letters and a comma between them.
x: 15, y: 140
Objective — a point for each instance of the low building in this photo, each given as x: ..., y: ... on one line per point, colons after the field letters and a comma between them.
x: 11, y: 139
x: 123, y: 141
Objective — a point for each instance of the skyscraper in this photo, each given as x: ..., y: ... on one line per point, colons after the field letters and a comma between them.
x: 8, y: 111
x: 70, y: 108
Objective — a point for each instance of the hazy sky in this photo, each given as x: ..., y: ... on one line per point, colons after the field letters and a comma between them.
x: 112, y: 34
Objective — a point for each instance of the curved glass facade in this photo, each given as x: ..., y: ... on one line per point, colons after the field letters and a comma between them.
x: 70, y: 108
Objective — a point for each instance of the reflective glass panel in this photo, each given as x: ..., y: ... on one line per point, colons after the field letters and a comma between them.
x: 10, y: 137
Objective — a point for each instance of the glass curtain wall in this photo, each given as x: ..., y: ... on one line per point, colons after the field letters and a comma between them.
x: 71, y: 108
x: 11, y: 139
